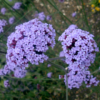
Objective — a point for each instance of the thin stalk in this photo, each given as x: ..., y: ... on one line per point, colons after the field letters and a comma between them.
x: 55, y: 58
x: 61, y: 67
x: 31, y: 79
x: 62, y: 13
x: 59, y: 11
x: 35, y: 6
x: 85, y: 18
x: 15, y: 23
x: 98, y: 70
x: 66, y: 85
x: 2, y: 52
x: 53, y: 14
x: 14, y: 9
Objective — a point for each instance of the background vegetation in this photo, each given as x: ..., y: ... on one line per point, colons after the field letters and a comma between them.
x: 36, y: 85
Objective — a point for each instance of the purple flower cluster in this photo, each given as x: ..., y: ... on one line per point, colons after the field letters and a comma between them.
x: 27, y: 44
x: 78, y: 76
x: 17, y: 5
x: 3, y: 10
x: 6, y: 83
x: 78, y: 46
x: 49, y: 17
x: 49, y: 75
x: 49, y: 65
x: 41, y: 16
x: 79, y: 49
x: 74, y: 14
x: 11, y: 20
x: 2, y: 24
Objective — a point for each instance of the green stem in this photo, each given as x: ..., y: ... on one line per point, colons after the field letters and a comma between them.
x: 61, y: 67
x: 2, y: 52
x: 66, y: 85
x: 85, y: 18
x: 15, y: 23
x: 30, y: 79
x: 55, y: 58
x: 14, y: 9
x: 35, y: 7
x: 98, y: 70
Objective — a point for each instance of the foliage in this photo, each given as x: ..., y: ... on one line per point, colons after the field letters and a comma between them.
x: 48, y: 88
x: 95, y: 5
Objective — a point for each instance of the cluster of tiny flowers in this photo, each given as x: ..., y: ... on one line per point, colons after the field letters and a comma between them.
x: 78, y: 46
x: 77, y: 76
x: 2, y: 24
x: 41, y: 16
x: 49, y: 65
x: 3, y: 10
x: 27, y: 44
x: 6, y: 83
x: 17, y: 5
x: 49, y: 17
x: 74, y: 14
x: 49, y: 75
x: 79, y: 49
x: 11, y: 20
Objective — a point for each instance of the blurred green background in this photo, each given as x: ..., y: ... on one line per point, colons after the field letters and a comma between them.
x: 50, y: 88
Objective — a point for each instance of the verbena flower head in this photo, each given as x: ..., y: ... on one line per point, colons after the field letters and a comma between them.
x: 79, y: 49
x: 49, y: 17
x: 27, y: 44
x: 74, y: 14
x: 3, y: 10
x: 11, y: 20
x: 77, y: 76
x: 41, y: 16
x: 49, y: 75
x: 17, y: 5
x: 2, y: 24
x: 49, y: 65
x: 78, y: 46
